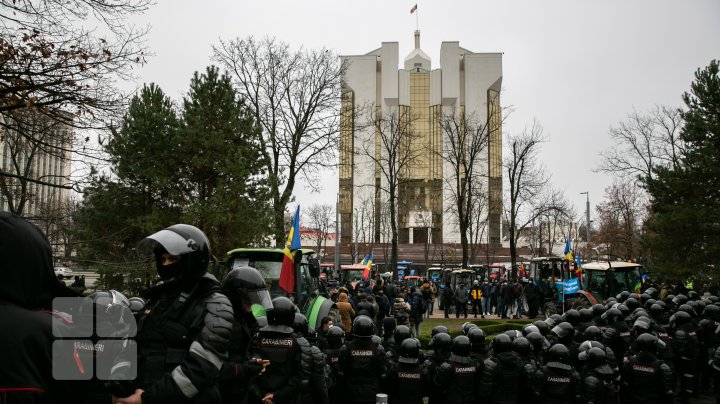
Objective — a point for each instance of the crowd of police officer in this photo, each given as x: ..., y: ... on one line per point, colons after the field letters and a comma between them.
x: 194, y: 339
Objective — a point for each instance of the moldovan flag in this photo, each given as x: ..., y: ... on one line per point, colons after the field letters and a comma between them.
x: 578, y: 265
x: 568, y: 250
x: 368, y: 264
x: 413, y: 9
x: 287, y: 273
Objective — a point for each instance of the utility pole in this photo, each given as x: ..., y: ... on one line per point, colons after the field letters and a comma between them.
x: 587, y: 216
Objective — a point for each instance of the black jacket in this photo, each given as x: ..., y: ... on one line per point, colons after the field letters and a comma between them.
x: 26, y: 292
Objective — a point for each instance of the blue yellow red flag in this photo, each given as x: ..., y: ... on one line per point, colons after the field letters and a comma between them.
x: 568, y: 250
x: 368, y: 265
x: 287, y: 273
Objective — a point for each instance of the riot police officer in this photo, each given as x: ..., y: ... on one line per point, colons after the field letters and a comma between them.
x: 441, y: 346
x: 460, y: 374
x: 245, y: 287
x: 479, y: 348
x: 335, y: 340
x: 407, y: 382
x: 685, y: 346
x: 645, y: 378
x: 600, y: 383
x: 503, y: 376
x: 361, y: 362
x: 277, y: 344
x: 560, y: 383
x: 184, y: 331
x: 314, y: 388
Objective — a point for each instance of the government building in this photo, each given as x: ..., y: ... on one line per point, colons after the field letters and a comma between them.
x: 381, y: 98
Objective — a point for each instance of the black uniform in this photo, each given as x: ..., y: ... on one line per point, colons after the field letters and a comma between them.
x: 283, y: 376
x: 237, y: 370
x: 646, y: 380
x: 503, y: 379
x: 560, y: 384
x: 459, y: 376
x: 314, y: 372
x: 407, y: 383
x: 183, y: 337
x: 600, y: 386
x: 362, y: 364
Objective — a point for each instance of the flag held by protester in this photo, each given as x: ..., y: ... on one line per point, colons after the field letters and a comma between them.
x: 367, y: 261
x: 287, y: 273
x: 568, y: 250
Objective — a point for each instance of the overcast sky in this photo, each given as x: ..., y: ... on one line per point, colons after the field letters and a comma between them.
x: 577, y: 67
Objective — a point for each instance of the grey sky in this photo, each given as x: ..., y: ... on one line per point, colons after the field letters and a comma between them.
x: 577, y: 67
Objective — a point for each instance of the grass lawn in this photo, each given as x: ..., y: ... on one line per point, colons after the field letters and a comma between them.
x: 454, y: 325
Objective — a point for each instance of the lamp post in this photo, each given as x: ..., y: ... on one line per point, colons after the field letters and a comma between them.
x: 587, y: 216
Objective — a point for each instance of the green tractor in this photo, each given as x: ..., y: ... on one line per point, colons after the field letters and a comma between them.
x: 309, y: 293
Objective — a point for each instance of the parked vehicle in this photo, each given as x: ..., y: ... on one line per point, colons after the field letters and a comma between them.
x: 603, y: 279
x: 63, y: 273
x: 308, y: 292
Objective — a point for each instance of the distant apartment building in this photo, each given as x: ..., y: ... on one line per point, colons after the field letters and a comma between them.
x: 35, y: 163
x: 466, y: 83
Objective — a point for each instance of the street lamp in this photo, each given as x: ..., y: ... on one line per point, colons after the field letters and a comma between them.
x: 587, y: 216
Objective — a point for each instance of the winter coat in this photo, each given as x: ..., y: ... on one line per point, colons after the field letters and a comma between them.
x: 346, y: 312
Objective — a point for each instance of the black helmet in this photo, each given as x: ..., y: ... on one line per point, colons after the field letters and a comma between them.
x: 652, y: 292
x: 528, y: 328
x: 572, y: 316
x: 282, y: 312
x: 586, y: 315
x: 656, y: 311
x: 649, y: 302
x: 624, y: 310
x: 137, y: 304
x: 596, y: 357
x: 612, y: 315
x: 593, y: 333
x: 179, y: 240
x: 632, y: 303
x: 501, y: 343
x: 513, y: 334
x: 563, y: 330
x: 522, y: 346
x: 441, y: 342
x: 376, y: 340
x: 679, y: 300
x: 477, y: 338
x: 438, y: 329
x: 622, y: 296
x: 587, y: 345
x: 409, y: 351
x: 680, y: 318
x: 542, y: 327
x: 300, y: 324
x: 109, y: 312
x: 461, y: 345
x: 687, y: 309
x: 467, y: 327
x: 647, y: 342
x: 693, y: 295
x: 557, y: 318
x: 598, y: 310
x: 711, y: 312
x: 558, y: 356
x: 645, y: 297
x: 402, y: 332
x: 641, y: 325
x: 536, y: 340
x: 245, y: 286
x: 335, y: 337
x: 363, y: 327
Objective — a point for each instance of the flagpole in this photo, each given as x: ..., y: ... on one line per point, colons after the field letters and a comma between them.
x: 417, y: 20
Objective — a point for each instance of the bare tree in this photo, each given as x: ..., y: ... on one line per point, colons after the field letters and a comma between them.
x: 619, y: 216
x: 466, y: 141
x: 478, y: 225
x: 527, y: 183
x: 295, y: 96
x: 320, y: 218
x: 643, y: 141
x: 394, y: 154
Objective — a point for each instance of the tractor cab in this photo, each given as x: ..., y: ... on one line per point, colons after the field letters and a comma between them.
x: 603, y: 279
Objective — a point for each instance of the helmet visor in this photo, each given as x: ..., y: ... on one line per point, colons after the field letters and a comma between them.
x: 174, y: 243
x: 260, y: 297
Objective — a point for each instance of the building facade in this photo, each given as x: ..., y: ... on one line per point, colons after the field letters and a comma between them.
x: 34, y: 166
x: 395, y: 140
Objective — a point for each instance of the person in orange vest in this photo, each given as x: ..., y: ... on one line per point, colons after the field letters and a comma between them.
x: 476, y: 296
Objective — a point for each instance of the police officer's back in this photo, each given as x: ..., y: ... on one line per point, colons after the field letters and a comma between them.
x: 407, y: 382
x: 503, y: 376
x: 645, y: 378
x: 600, y: 383
x: 245, y: 287
x: 460, y: 374
x: 184, y: 332
x: 277, y: 344
x: 362, y: 363
x: 441, y: 346
x: 560, y: 383
x: 335, y: 340
x: 314, y: 387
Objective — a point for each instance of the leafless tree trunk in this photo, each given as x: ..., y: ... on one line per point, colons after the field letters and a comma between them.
x: 466, y: 141
x: 619, y: 216
x: 320, y: 218
x: 527, y: 183
x: 295, y: 96
x: 393, y: 153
